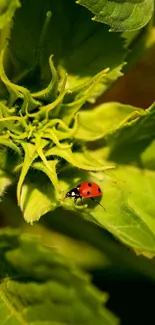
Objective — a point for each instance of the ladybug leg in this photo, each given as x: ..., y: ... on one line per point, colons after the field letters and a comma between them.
x: 77, y: 197
x: 98, y: 203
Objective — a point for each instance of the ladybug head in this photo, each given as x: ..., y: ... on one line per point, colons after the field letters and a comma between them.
x: 73, y: 193
x: 68, y: 194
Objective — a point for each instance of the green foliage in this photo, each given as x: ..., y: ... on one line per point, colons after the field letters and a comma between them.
x: 44, y: 134
x: 80, y: 47
x: 129, y: 200
x: 55, y: 291
x: 44, y: 137
x: 54, y: 65
x: 121, y: 15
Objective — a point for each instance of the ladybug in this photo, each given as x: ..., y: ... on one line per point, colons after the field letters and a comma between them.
x: 86, y: 190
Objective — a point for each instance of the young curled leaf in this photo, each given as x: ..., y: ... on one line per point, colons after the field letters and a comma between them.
x: 8, y: 143
x: 79, y: 96
x: 74, y: 158
x: 30, y: 156
x: 16, y: 91
x: 49, y: 94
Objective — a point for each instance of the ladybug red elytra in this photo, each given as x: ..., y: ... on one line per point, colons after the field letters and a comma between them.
x: 86, y: 190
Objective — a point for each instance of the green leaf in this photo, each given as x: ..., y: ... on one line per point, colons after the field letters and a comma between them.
x: 49, y: 168
x: 78, y: 45
x: 5, y: 181
x: 37, y: 197
x: 115, y: 116
x: 134, y: 130
x: 127, y: 130
x: 7, y: 10
x: 121, y: 15
x: 140, y: 202
x: 46, y: 288
x: 128, y: 196
x: 91, y: 258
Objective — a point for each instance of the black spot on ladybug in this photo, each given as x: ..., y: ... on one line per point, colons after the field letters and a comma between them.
x: 99, y: 190
x: 89, y: 184
x: 88, y: 193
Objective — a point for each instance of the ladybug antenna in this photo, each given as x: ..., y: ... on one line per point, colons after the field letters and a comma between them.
x: 98, y: 203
